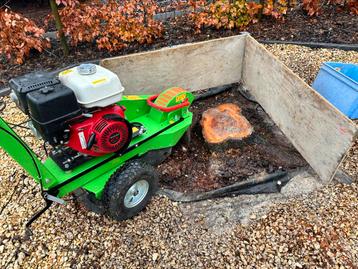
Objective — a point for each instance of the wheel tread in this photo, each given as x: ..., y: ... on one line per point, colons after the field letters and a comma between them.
x: 119, y: 181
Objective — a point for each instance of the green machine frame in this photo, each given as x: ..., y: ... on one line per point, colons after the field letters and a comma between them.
x: 164, y: 125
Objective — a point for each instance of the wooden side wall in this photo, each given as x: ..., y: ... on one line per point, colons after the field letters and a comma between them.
x: 320, y: 132
x: 192, y: 66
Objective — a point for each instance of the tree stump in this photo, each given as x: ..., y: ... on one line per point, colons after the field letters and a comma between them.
x: 224, y: 126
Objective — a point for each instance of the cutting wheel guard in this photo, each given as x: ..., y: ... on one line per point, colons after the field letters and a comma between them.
x: 151, y: 99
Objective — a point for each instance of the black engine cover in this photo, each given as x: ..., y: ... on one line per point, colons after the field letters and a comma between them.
x: 50, y: 109
x: 25, y: 84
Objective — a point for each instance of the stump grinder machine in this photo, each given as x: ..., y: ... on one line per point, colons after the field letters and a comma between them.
x: 102, y: 145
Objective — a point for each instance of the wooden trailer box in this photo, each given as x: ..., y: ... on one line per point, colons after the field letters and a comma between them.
x: 321, y: 133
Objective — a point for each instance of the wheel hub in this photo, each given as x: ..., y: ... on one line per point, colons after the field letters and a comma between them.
x: 136, y: 193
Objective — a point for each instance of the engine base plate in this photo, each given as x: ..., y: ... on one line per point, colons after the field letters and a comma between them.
x: 67, y: 158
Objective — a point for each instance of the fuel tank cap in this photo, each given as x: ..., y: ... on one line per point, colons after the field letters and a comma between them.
x: 86, y: 69
x: 47, y: 89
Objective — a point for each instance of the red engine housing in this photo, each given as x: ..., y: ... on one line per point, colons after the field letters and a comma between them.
x: 105, y: 132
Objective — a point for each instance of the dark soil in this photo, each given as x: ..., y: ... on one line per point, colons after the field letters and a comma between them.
x: 36, y: 10
x: 196, y: 167
x: 331, y: 26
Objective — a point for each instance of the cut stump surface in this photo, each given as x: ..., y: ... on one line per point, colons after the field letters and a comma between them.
x: 225, y: 122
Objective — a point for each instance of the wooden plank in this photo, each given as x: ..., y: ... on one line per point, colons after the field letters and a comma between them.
x: 192, y: 66
x: 320, y: 132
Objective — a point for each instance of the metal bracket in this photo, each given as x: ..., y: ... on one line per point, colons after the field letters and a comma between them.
x: 49, y: 199
x: 54, y: 199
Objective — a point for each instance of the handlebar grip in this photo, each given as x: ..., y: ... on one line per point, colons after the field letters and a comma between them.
x: 163, y: 108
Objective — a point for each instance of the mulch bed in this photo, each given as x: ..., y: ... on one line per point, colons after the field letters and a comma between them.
x: 331, y: 26
x: 196, y: 167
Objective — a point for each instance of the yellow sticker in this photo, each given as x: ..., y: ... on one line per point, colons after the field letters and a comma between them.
x: 135, y: 129
x: 180, y: 97
x: 66, y: 72
x: 101, y: 80
x: 133, y: 97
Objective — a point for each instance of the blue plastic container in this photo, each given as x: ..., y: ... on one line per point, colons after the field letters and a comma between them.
x: 338, y: 83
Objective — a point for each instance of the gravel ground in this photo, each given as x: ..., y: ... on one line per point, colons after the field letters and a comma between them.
x: 317, y: 229
x: 305, y: 62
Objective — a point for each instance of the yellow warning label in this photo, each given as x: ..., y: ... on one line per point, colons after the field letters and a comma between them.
x: 97, y: 81
x: 180, y: 97
x: 133, y: 97
x: 65, y: 72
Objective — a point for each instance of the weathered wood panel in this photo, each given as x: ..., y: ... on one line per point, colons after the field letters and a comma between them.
x: 319, y: 131
x: 191, y: 66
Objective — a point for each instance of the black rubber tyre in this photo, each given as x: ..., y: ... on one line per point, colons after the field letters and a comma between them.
x: 134, y: 173
x: 90, y: 202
